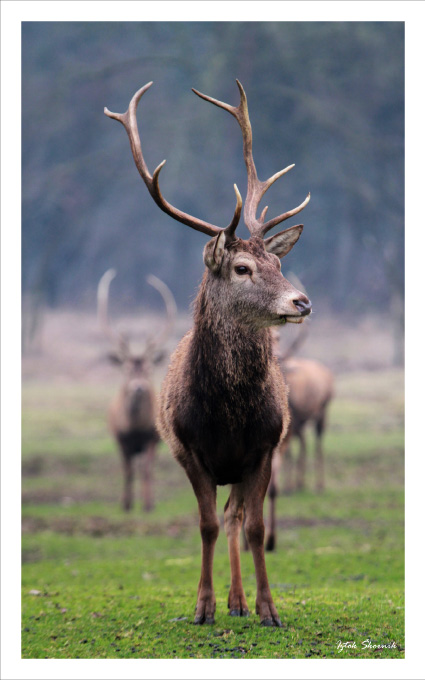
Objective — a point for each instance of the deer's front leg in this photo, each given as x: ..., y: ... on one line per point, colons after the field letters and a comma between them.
x: 205, y: 491
x: 147, y: 472
x: 254, y: 492
x: 233, y: 515
x: 127, y: 499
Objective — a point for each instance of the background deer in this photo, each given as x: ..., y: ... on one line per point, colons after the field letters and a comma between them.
x: 223, y: 405
x: 310, y: 389
x: 132, y: 413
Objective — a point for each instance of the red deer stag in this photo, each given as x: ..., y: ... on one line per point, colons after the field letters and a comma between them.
x: 223, y: 404
x: 132, y: 413
x: 310, y: 386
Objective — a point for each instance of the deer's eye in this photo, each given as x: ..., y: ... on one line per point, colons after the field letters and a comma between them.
x: 241, y: 270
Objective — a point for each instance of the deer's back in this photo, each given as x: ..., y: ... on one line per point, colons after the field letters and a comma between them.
x: 310, y: 387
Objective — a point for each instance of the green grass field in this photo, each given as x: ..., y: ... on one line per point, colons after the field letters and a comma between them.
x: 98, y: 583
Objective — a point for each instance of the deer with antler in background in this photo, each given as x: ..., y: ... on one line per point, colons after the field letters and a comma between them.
x: 132, y: 413
x: 223, y: 403
x: 310, y: 390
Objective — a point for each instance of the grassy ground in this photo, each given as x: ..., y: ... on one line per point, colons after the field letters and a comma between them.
x: 97, y: 583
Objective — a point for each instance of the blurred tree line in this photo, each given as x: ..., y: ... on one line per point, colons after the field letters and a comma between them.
x: 328, y: 97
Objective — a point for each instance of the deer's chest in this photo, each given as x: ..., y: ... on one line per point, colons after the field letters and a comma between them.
x: 229, y: 437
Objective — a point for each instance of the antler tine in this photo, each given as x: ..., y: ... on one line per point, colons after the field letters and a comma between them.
x: 129, y: 120
x: 117, y: 339
x: 170, y: 305
x: 280, y: 218
x: 256, y: 189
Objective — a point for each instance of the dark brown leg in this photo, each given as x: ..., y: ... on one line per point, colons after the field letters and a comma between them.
x: 127, y: 501
x: 147, y: 469
x: 288, y: 469
x: 272, y: 493
x: 254, y: 490
x: 319, y: 462
x: 301, y: 462
x: 233, y: 514
x: 205, y: 491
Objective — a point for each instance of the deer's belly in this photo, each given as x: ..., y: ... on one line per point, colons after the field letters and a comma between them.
x: 137, y: 440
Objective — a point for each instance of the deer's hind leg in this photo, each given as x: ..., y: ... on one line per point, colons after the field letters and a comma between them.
x: 319, y: 463
x: 301, y: 462
x: 272, y: 493
x: 233, y: 516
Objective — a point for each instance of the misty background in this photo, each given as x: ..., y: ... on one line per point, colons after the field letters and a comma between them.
x: 328, y: 97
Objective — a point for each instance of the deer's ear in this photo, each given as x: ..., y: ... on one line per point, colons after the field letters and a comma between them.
x: 214, y: 251
x: 158, y: 357
x: 280, y: 244
x: 114, y: 358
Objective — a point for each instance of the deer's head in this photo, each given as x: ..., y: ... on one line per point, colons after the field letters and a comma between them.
x: 137, y: 368
x: 249, y: 270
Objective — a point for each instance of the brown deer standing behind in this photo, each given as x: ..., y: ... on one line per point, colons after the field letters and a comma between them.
x: 132, y: 413
x: 310, y: 389
x: 223, y: 405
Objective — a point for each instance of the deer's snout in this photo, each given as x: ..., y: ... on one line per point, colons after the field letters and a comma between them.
x: 302, y: 304
x: 137, y: 387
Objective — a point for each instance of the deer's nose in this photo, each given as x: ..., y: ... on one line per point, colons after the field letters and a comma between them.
x: 303, y: 305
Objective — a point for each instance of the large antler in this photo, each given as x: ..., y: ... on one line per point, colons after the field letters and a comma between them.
x: 256, y: 188
x: 170, y: 305
x: 118, y: 339
x: 129, y: 120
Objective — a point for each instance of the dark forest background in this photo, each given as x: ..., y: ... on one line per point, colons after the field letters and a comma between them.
x: 328, y: 97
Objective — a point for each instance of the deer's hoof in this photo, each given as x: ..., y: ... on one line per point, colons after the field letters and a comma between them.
x: 272, y: 622
x: 201, y: 619
x: 239, y: 612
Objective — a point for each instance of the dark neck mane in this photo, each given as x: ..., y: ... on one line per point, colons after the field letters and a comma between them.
x: 231, y: 413
x: 225, y: 353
